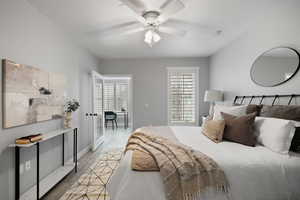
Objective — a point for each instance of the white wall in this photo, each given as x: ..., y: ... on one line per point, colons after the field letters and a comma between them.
x: 28, y: 37
x: 149, y: 78
x: 230, y: 67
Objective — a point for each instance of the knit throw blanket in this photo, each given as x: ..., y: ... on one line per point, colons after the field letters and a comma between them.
x: 185, y: 172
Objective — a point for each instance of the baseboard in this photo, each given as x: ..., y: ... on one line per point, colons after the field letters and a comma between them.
x: 81, y: 153
x: 84, y: 151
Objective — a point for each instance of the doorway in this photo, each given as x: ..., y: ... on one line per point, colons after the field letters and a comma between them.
x: 111, y: 114
x: 117, y: 99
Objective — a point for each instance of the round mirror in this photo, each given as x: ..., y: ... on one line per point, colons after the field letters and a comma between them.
x: 275, y: 66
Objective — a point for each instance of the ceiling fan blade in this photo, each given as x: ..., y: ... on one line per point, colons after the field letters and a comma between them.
x: 136, y: 5
x: 138, y: 8
x: 132, y: 31
x: 169, y: 8
x: 172, y: 31
x: 121, y: 29
x: 194, y: 27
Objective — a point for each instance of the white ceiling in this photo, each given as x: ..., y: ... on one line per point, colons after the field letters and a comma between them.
x: 85, y: 18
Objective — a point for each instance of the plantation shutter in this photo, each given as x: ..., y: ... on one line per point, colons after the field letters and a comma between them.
x: 116, y: 95
x: 122, y: 94
x: 182, y: 95
x: 109, y: 93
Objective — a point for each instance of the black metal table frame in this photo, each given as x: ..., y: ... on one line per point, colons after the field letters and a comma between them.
x: 17, y: 163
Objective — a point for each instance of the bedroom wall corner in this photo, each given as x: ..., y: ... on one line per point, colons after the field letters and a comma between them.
x: 230, y: 66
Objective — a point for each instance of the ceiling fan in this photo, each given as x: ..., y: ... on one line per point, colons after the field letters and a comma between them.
x: 152, y: 19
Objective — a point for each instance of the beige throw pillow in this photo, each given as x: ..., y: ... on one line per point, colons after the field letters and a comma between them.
x: 214, y: 129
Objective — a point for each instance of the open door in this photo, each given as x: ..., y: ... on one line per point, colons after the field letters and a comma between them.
x: 98, y: 132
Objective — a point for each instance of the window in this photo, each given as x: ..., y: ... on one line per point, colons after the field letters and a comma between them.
x: 122, y: 95
x: 109, y: 95
x: 183, y: 96
x: 116, y: 94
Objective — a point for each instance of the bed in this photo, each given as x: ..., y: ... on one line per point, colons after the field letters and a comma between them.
x: 254, y: 173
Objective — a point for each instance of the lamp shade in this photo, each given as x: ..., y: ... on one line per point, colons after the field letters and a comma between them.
x: 213, y: 96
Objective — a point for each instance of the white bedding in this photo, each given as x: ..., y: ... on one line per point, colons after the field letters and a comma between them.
x: 254, y: 173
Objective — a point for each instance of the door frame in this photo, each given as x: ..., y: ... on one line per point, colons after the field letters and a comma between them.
x: 96, y: 143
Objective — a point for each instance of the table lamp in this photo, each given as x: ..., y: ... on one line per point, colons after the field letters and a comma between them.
x: 213, y: 96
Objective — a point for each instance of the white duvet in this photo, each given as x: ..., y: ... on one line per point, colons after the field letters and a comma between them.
x: 254, y: 173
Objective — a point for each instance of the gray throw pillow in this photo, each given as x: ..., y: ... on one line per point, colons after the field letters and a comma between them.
x: 240, y: 129
x: 251, y: 108
x: 281, y: 111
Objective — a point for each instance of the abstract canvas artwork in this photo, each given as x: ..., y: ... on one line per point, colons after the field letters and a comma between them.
x: 30, y: 94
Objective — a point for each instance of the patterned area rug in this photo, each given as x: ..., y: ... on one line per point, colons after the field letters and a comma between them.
x: 92, y: 184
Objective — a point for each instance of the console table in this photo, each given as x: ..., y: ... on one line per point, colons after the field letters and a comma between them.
x: 43, y: 186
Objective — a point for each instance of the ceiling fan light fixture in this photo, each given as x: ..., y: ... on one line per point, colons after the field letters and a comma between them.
x: 156, y: 37
x: 151, y: 17
x: 152, y: 37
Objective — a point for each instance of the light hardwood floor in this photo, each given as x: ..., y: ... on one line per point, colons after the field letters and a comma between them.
x: 114, y: 139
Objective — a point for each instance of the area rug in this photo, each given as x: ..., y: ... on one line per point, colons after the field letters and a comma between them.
x: 92, y: 184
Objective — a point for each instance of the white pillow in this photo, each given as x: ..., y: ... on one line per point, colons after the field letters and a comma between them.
x: 275, y: 134
x: 232, y: 110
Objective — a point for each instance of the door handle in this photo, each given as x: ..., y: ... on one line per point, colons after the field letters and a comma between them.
x: 91, y: 114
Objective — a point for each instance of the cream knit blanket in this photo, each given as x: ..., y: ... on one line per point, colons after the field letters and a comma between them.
x: 185, y: 172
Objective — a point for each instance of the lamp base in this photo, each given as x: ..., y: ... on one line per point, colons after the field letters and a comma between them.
x: 211, y: 108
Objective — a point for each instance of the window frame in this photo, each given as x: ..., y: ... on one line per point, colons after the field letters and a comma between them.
x: 197, y: 94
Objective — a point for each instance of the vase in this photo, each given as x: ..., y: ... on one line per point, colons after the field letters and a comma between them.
x: 67, y: 120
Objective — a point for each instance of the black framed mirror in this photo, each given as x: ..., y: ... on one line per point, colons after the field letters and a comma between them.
x: 275, y: 66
